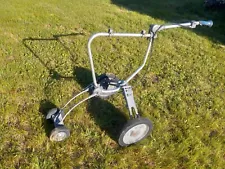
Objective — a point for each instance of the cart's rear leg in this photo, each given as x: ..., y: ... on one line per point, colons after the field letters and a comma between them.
x: 137, y: 128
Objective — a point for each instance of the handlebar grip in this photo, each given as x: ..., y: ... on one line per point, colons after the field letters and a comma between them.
x: 206, y: 23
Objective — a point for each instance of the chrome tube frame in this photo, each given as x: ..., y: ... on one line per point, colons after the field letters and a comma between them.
x: 91, y: 96
x: 151, y: 35
x: 82, y: 92
x: 191, y: 24
x: 117, y: 35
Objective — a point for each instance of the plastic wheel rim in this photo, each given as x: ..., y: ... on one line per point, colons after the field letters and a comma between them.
x: 59, y: 136
x: 135, y: 133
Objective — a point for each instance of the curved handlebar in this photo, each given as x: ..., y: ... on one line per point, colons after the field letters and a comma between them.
x: 151, y: 35
x: 110, y: 34
x: 191, y: 24
x: 206, y: 23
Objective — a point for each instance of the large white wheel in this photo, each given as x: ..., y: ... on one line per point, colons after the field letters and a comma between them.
x: 59, y: 133
x: 134, y: 131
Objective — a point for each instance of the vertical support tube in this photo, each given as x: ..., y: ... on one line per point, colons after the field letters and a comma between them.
x: 143, y: 64
x: 118, y: 35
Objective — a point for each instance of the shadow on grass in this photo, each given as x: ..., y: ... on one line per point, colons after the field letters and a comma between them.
x: 179, y: 11
x: 107, y: 116
x: 45, y: 106
x: 52, y: 72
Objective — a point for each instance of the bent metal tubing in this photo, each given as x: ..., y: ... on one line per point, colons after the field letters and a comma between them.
x: 152, y: 32
x: 117, y: 35
x: 100, y: 89
x: 91, y: 96
x: 151, y: 35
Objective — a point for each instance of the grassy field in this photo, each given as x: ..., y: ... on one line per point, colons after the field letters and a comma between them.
x: 44, y: 62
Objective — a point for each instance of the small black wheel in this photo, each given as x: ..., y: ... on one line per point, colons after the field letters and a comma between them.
x: 134, y: 131
x: 59, y: 133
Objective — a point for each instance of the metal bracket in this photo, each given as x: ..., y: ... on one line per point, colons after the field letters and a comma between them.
x: 193, y: 24
x: 129, y: 97
x: 143, y: 32
x: 58, y: 118
x: 110, y: 31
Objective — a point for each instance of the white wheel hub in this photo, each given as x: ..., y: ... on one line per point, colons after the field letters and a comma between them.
x: 59, y: 136
x: 135, y: 134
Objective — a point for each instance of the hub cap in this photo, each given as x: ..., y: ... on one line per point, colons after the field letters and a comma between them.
x: 135, y: 134
x: 59, y: 136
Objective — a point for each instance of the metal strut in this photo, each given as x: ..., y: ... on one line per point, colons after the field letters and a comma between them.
x: 58, y: 115
x: 129, y: 97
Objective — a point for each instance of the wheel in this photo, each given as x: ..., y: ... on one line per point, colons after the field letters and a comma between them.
x: 52, y: 112
x: 134, y: 131
x: 59, y: 133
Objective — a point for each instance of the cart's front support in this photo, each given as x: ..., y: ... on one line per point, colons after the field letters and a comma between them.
x: 131, y: 105
x: 58, y: 118
x: 91, y: 96
x: 57, y: 115
x: 84, y: 91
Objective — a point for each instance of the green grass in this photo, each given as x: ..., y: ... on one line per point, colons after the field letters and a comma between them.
x: 44, y: 62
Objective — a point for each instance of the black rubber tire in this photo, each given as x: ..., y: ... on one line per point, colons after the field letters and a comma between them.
x: 131, y: 124
x: 59, y: 130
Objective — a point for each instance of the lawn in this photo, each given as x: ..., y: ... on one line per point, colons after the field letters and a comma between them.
x: 44, y: 62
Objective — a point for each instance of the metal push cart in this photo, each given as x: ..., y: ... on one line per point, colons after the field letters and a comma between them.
x: 105, y: 85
